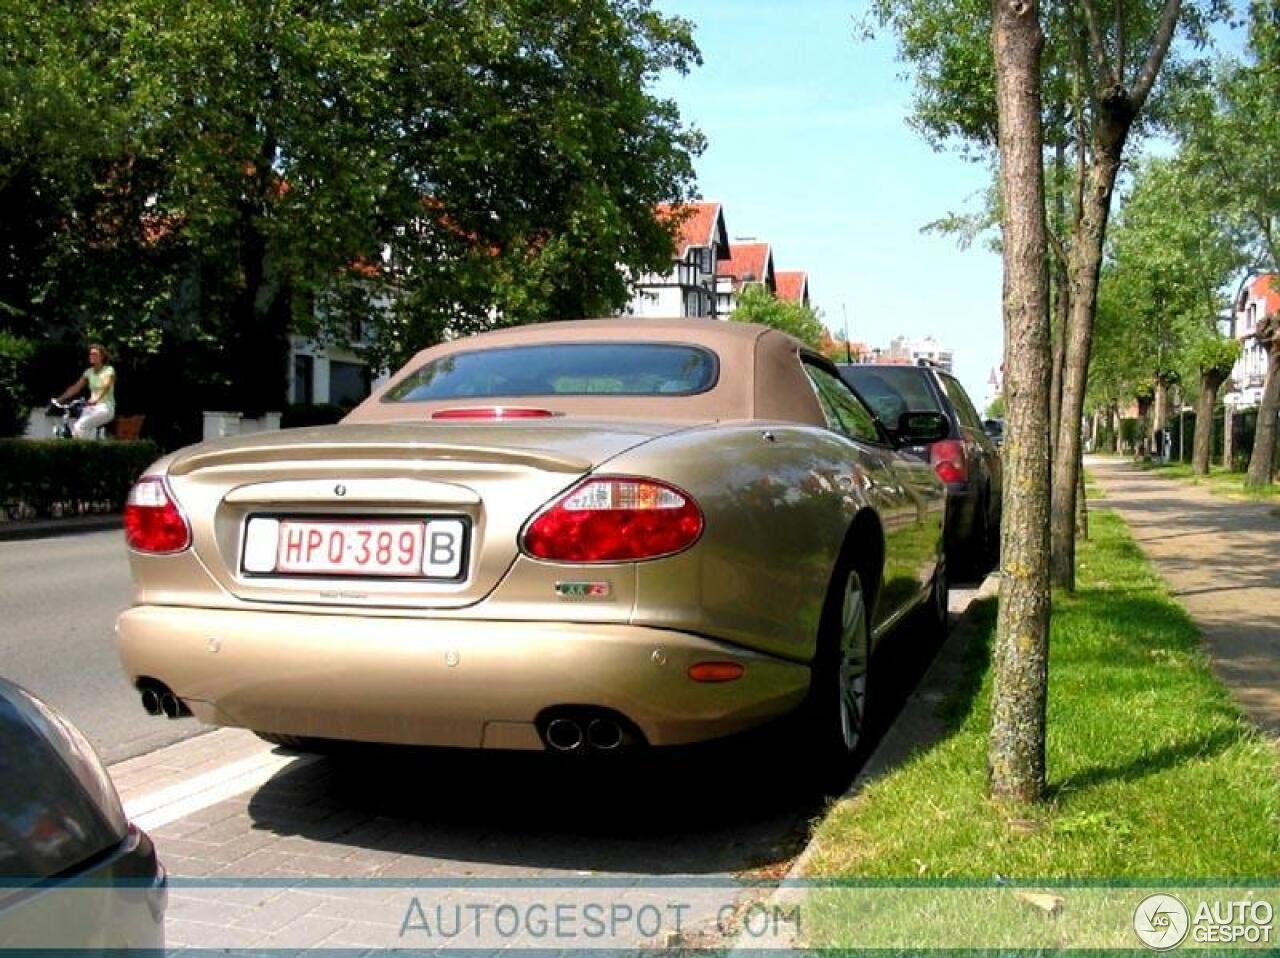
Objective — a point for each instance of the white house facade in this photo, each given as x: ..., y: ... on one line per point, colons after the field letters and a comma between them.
x: 689, y: 287
x: 1258, y: 300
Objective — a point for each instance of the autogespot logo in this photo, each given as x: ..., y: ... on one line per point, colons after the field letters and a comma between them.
x: 1161, y: 922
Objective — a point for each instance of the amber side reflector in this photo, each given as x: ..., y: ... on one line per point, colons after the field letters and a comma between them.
x: 493, y: 412
x: 716, y: 671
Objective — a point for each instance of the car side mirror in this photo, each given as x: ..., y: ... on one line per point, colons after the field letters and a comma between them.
x: 921, y: 428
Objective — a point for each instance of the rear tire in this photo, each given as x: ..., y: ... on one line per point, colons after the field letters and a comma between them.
x: 836, y: 713
x: 939, y: 600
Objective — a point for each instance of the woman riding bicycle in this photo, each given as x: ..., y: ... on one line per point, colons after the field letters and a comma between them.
x: 101, y: 382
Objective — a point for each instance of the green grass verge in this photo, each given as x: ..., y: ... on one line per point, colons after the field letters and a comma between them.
x: 1219, y: 481
x: 1152, y: 771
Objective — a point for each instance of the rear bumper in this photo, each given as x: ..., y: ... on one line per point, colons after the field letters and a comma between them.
x: 962, y: 515
x: 473, y: 684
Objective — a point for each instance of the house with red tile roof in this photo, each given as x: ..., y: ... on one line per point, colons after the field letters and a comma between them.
x: 689, y: 287
x: 750, y: 263
x: 1259, y: 299
x: 793, y: 286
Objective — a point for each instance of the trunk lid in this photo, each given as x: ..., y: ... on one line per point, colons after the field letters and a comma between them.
x: 253, y: 500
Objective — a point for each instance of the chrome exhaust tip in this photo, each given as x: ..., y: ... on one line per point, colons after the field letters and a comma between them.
x: 564, y: 735
x: 151, y: 702
x: 604, y: 735
x: 173, y: 707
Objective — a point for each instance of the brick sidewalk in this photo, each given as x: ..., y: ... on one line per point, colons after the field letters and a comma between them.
x: 1221, y: 558
x: 289, y: 862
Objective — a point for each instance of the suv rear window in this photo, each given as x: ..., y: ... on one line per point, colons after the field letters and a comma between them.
x: 892, y: 390
x: 960, y: 399
x: 562, y: 369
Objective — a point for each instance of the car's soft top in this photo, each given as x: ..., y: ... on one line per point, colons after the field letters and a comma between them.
x: 757, y: 375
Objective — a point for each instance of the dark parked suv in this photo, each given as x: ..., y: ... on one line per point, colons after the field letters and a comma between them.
x: 967, y: 460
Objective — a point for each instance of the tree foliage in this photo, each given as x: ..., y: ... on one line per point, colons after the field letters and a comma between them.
x: 1172, y: 251
x: 1103, y: 61
x: 1230, y: 135
x: 757, y: 305
x: 947, y: 49
x: 216, y: 175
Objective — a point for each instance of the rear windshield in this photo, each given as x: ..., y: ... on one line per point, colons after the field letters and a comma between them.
x: 892, y: 390
x: 562, y: 369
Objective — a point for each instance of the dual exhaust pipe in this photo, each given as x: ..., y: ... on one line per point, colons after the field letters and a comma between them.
x: 575, y: 734
x: 158, y: 700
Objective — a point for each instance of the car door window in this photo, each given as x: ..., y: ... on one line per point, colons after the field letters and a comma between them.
x: 960, y: 399
x: 844, y: 411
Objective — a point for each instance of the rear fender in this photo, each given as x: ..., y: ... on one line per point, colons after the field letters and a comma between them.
x: 778, y: 504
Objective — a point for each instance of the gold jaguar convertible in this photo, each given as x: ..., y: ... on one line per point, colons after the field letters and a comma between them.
x: 577, y: 537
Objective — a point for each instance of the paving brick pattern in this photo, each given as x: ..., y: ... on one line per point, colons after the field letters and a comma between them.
x: 1221, y: 558
x: 406, y: 817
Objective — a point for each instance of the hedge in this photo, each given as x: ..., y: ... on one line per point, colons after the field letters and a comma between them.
x: 57, y: 477
x: 311, y: 414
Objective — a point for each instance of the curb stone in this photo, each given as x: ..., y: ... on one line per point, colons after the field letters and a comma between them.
x: 18, y: 529
x: 916, y: 726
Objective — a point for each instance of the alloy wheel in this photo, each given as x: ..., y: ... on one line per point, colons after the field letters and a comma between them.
x: 854, y: 655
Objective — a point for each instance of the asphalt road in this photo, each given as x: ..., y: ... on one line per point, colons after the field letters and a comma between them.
x: 59, y: 599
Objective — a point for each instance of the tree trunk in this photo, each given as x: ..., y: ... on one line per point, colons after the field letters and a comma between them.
x: 1262, y: 461
x: 1228, y: 435
x: 259, y: 338
x: 1202, y: 448
x: 1086, y: 256
x: 1016, y: 750
x: 1160, y: 417
x: 1082, y: 504
x: 1061, y: 291
x: 1144, y: 432
x: 1061, y: 318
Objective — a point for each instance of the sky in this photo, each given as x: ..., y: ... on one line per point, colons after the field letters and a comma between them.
x: 809, y: 149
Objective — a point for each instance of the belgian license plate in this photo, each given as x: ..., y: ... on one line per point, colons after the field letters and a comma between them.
x: 407, y: 548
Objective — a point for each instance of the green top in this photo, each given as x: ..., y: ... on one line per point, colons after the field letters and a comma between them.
x: 95, y: 377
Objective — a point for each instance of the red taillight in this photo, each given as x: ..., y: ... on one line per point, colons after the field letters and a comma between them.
x: 152, y: 521
x: 615, y: 520
x: 492, y: 412
x: 948, y: 460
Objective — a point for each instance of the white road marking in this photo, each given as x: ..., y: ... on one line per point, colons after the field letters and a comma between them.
x: 167, y: 805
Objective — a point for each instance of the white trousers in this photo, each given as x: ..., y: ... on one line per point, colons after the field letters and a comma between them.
x: 86, y: 427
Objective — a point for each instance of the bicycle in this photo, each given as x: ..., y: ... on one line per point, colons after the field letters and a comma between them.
x: 70, y: 413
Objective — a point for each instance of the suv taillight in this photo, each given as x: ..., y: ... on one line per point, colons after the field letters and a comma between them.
x: 948, y: 460
x: 152, y: 521
x: 615, y: 520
